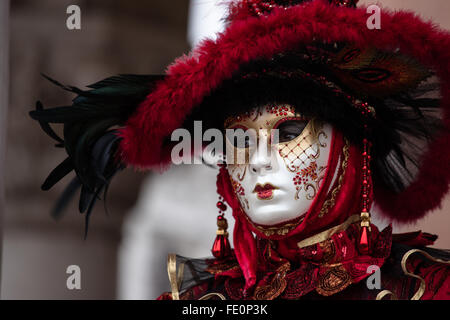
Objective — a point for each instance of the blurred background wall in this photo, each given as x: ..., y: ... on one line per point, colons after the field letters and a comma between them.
x: 4, y: 99
x: 116, y: 37
x: 124, y: 254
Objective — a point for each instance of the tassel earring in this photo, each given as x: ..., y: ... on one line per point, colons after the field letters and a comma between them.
x: 221, y: 247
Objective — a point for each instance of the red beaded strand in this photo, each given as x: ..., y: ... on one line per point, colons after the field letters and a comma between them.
x: 366, y: 176
x: 364, y: 241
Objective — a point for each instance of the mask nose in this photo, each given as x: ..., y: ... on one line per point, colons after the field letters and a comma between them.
x: 261, y: 160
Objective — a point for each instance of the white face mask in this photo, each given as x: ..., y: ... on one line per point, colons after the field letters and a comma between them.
x: 279, y: 181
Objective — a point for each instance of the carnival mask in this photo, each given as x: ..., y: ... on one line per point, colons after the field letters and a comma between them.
x: 276, y: 169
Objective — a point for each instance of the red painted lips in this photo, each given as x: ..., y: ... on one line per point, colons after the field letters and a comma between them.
x: 264, y: 192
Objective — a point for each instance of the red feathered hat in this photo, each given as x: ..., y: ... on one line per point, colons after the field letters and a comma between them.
x: 321, y: 57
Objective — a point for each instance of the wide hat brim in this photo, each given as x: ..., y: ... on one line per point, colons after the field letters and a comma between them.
x: 193, y: 78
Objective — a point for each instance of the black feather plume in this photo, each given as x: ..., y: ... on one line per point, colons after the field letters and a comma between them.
x: 90, y: 138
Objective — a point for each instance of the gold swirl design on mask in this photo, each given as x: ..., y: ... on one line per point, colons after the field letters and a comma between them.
x: 239, y: 174
x: 246, y: 203
x: 312, y: 188
x: 325, y: 136
x: 240, y: 178
x: 320, y: 144
x: 330, y: 201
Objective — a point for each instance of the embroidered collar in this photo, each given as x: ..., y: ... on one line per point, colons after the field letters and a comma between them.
x: 328, y: 263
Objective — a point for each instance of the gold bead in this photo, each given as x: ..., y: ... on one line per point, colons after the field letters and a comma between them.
x: 222, y: 224
x: 365, y: 215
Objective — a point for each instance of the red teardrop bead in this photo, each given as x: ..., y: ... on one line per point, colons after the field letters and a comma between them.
x: 364, y: 241
x: 221, y: 247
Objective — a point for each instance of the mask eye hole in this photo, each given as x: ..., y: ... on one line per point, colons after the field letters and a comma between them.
x: 290, y: 128
x: 241, y: 137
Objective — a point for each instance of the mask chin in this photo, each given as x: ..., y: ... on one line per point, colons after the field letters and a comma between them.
x: 274, y: 215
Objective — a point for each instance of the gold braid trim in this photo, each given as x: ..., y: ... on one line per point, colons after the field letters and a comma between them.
x: 422, y: 286
x: 330, y: 202
x: 213, y: 294
x: 385, y: 293
x: 280, y: 230
x: 174, y: 278
x: 324, y: 235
